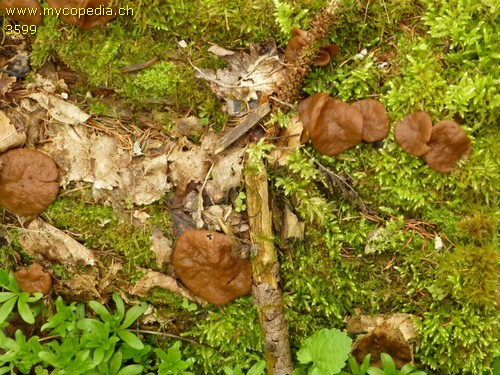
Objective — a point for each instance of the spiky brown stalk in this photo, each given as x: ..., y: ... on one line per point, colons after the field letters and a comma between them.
x: 289, y: 90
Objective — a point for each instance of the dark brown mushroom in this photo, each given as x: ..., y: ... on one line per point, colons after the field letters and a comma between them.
x: 206, y: 263
x: 376, y: 122
x: 86, y: 14
x: 299, y: 41
x: 332, y: 125
x: 448, y: 144
x: 28, y: 181
x: 413, y: 132
x: 28, y: 6
x: 34, y: 279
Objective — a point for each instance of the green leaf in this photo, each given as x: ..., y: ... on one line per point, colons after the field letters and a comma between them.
x: 101, y: 310
x: 353, y: 365
x: 375, y: 371
x: 130, y: 339
x: 4, y: 296
x: 131, y: 370
x: 25, y: 311
x: 327, y: 349
x: 133, y: 314
x: 7, y: 307
x: 257, y: 369
x: 364, y: 366
x: 120, y: 306
x: 389, y: 365
x: 115, y: 363
x: 406, y: 369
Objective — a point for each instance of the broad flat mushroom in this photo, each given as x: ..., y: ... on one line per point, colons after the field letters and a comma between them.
x: 101, y: 12
x: 30, y: 5
x: 332, y: 125
x: 34, y: 279
x: 413, y: 132
x: 206, y: 264
x: 376, y: 122
x: 28, y: 181
x: 448, y: 144
x: 299, y: 41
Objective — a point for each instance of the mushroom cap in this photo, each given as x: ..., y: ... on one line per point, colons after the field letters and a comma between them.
x: 295, y: 45
x: 448, y: 144
x: 309, y: 110
x: 28, y: 181
x: 34, y: 279
x: 206, y: 264
x: 25, y: 4
x: 332, y: 125
x: 87, y: 21
x: 413, y: 132
x: 376, y: 122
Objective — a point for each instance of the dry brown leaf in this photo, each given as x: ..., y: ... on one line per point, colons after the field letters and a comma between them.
x: 9, y: 136
x: 42, y: 239
x: 289, y: 142
x: 62, y: 111
x: 6, y: 84
x: 161, y: 246
x: 153, y: 279
x: 247, y: 74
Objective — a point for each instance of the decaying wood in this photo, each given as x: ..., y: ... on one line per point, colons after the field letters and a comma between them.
x: 266, y: 292
x: 250, y: 120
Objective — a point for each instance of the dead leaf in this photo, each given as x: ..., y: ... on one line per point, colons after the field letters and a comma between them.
x: 9, y: 136
x: 289, y: 141
x: 41, y: 238
x: 247, y: 74
x: 6, y: 84
x: 153, y: 279
x: 61, y: 110
x: 292, y: 227
x: 227, y: 171
x: 161, y: 246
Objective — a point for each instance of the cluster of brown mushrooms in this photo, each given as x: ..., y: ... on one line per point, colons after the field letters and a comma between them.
x: 28, y: 181
x: 334, y: 126
x: 99, y: 16
x: 299, y: 41
x: 441, y: 145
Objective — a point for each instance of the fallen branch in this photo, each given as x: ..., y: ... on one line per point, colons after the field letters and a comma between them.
x: 266, y: 292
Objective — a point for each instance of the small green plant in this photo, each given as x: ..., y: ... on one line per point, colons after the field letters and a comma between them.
x: 355, y: 368
x: 240, y: 202
x: 256, y: 369
x: 13, y: 296
x: 390, y: 368
x: 327, y: 349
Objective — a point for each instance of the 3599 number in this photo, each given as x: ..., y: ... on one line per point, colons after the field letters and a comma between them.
x: 20, y: 29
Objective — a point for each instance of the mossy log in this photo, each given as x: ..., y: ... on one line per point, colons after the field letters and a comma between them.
x: 266, y: 291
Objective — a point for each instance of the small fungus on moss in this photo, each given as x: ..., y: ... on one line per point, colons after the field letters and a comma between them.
x: 34, y: 279
x: 448, y: 144
x: 96, y: 12
x: 28, y: 19
x: 206, y: 263
x: 332, y: 125
x: 376, y: 122
x: 299, y: 41
x: 28, y: 181
x: 413, y: 132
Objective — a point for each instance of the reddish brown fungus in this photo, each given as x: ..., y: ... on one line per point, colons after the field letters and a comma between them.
x: 95, y: 12
x: 206, y: 264
x: 34, y: 279
x: 448, y: 144
x: 413, y: 132
x: 332, y: 125
x: 28, y: 181
x: 299, y: 41
x: 26, y: 5
x: 376, y: 122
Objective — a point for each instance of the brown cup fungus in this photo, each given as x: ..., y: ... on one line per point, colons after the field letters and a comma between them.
x: 206, y: 263
x: 34, y: 279
x: 97, y: 12
x: 28, y: 181
x: 447, y: 145
x: 376, y: 122
x: 27, y: 19
x: 413, y: 132
x: 299, y: 41
x: 332, y: 125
